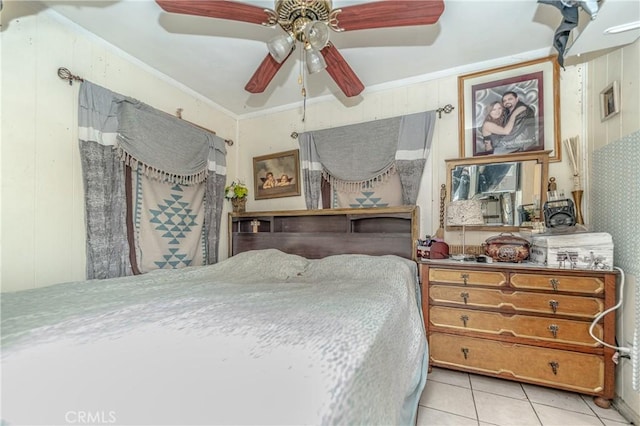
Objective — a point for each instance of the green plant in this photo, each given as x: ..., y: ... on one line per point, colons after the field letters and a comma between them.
x: 236, y: 190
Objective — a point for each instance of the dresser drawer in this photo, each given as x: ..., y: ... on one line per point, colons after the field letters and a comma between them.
x: 517, y: 301
x: 577, y: 284
x: 467, y: 277
x: 583, y: 373
x: 525, y: 326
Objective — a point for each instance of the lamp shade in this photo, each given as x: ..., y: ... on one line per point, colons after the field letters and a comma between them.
x: 314, y: 59
x: 317, y: 34
x: 464, y: 213
x: 280, y: 46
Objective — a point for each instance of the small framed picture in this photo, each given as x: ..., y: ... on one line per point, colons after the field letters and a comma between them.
x: 277, y: 175
x: 610, y: 101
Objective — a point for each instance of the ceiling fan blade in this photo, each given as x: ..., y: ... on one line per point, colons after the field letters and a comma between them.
x: 341, y: 72
x: 390, y: 13
x: 264, y: 74
x: 222, y: 9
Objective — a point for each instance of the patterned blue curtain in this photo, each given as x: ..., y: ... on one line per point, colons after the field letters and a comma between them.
x: 103, y: 164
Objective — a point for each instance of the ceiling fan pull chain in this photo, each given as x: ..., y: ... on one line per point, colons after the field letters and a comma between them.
x: 302, y: 81
x: 304, y: 104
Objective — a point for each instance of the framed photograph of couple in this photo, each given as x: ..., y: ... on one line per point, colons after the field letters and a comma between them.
x: 511, y: 109
x: 277, y: 175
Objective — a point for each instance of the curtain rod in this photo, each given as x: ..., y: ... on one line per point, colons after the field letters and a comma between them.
x: 65, y: 74
x: 446, y: 109
x: 179, y: 115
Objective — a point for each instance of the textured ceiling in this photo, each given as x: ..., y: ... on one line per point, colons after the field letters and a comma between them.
x: 216, y: 58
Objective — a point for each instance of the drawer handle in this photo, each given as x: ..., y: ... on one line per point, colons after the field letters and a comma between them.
x: 464, y: 319
x: 553, y: 328
x: 464, y: 277
x: 554, y: 305
x: 554, y: 367
x: 464, y: 296
x: 554, y: 283
x: 465, y: 352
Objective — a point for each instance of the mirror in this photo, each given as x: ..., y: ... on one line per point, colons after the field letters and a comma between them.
x: 511, y: 188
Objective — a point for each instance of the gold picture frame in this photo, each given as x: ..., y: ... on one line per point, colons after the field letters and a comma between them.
x: 277, y: 175
x: 610, y: 101
x: 534, y: 85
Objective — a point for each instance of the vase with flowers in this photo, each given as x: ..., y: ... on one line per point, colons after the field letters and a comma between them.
x: 237, y: 192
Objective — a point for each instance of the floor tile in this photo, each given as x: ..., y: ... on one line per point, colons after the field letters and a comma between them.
x: 504, y: 411
x: 608, y: 422
x: 456, y: 398
x: 497, y: 386
x: 451, y: 377
x: 557, y: 398
x: 553, y: 416
x: 449, y: 398
x: 431, y: 417
x: 604, y: 413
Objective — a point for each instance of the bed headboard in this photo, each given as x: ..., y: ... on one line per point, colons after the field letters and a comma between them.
x: 319, y: 233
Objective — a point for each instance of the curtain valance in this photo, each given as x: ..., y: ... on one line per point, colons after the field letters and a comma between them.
x: 373, y: 144
x: 161, y: 146
x: 359, y: 156
x: 164, y: 147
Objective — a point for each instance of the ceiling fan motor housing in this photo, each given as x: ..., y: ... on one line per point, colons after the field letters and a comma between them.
x: 294, y: 15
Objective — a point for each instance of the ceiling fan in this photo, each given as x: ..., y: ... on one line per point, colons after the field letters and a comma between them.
x: 308, y: 22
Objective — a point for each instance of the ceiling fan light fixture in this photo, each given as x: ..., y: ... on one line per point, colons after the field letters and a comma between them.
x: 317, y: 34
x: 280, y: 46
x: 314, y: 60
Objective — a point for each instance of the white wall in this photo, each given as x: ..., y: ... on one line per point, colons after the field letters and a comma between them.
x: 42, y: 216
x: 43, y: 235
x: 580, y: 85
x: 271, y: 133
x: 41, y: 206
x: 622, y: 65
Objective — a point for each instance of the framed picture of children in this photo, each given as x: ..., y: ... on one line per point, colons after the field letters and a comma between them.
x: 277, y: 175
x: 511, y: 109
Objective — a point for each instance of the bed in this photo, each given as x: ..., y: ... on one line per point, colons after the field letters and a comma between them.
x: 264, y: 337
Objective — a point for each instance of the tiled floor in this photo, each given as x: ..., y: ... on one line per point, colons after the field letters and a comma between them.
x: 461, y: 399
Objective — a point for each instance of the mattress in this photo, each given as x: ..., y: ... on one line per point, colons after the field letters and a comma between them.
x: 263, y: 337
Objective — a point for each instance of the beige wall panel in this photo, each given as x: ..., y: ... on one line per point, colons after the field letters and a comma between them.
x: 630, y: 89
x: 43, y: 229
x: 18, y: 153
x: 622, y: 65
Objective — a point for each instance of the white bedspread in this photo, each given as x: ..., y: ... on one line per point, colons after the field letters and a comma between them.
x: 261, y: 338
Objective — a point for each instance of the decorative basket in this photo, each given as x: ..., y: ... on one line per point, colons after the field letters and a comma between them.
x: 507, y: 247
x: 239, y: 204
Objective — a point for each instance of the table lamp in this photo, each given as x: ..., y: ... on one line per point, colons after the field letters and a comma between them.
x: 464, y: 213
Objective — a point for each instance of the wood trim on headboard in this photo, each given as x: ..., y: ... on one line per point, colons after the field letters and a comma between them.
x: 319, y: 233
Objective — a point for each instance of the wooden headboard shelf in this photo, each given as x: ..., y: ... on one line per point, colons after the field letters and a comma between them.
x: 319, y: 233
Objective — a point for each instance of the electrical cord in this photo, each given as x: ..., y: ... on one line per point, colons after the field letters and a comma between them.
x: 632, y: 352
x: 602, y: 314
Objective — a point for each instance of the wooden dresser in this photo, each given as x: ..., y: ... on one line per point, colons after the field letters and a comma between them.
x: 522, y: 322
